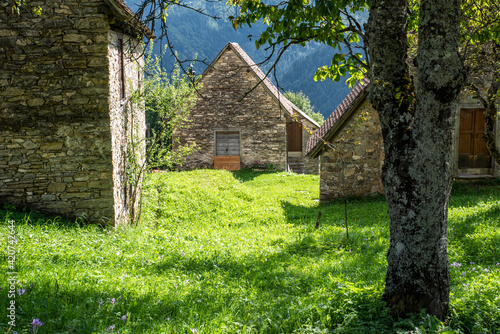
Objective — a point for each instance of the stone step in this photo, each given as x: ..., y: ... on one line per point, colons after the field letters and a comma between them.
x: 296, y: 164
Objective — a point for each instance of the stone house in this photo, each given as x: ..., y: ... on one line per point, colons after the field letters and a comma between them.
x: 240, y: 118
x: 351, y: 162
x: 65, y: 123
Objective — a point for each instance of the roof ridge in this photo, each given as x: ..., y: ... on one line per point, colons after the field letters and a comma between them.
x: 264, y: 79
x: 344, y: 108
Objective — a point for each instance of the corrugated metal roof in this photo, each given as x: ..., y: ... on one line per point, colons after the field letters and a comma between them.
x: 345, y: 107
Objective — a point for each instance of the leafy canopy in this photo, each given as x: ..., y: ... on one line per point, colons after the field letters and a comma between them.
x: 167, y: 101
x: 303, y: 102
x: 297, y: 22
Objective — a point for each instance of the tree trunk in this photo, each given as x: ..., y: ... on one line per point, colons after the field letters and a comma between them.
x: 417, y: 130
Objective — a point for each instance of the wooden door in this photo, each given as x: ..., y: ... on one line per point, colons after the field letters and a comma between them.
x: 227, y: 150
x: 472, y: 149
x: 294, y: 137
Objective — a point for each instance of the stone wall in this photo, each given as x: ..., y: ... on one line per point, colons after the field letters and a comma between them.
x: 354, y: 165
x: 311, y: 165
x: 128, y: 123
x: 226, y: 104
x: 55, y: 139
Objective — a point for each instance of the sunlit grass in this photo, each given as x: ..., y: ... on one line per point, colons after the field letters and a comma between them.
x: 221, y: 252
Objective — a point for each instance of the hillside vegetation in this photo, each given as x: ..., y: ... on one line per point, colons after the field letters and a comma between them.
x: 221, y: 252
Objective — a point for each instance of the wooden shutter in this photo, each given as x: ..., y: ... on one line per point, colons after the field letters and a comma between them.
x: 227, y: 143
x: 295, y: 137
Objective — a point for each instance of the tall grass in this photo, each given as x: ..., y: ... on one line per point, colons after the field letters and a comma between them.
x: 221, y: 252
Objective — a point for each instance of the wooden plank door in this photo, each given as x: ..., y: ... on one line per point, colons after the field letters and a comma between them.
x: 294, y: 137
x: 473, y: 152
x: 227, y: 150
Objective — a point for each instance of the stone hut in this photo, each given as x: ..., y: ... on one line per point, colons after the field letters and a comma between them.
x: 241, y: 118
x: 65, y: 123
x: 350, y: 146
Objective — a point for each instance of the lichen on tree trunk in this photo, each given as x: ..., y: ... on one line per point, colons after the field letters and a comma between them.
x: 417, y: 127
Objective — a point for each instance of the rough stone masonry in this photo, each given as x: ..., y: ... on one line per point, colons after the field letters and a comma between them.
x: 63, y: 120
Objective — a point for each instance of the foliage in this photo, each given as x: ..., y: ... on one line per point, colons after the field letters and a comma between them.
x: 18, y: 4
x: 332, y: 23
x: 225, y: 252
x: 167, y: 102
x: 481, y: 21
x: 263, y: 166
x: 304, y: 104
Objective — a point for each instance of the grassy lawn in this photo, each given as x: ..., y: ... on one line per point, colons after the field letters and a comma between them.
x: 221, y: 252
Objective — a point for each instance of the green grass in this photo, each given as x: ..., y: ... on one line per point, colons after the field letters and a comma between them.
x: 221, y: 252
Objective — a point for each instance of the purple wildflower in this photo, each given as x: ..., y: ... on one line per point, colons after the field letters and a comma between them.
x: 21, y: 291
x: 125, y: 318
x: 110, y: 328
x: 472, y: 263
x: 36, y: 323
x: 100, y: 303
x: 113, y: 300
x: 463, y: 274
x: 456, y: 264
x: 182, y: 253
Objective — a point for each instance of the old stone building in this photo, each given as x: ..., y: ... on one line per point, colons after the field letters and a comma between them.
x: 241, y: 118
x: 65, y: 123
x: 350, y: 146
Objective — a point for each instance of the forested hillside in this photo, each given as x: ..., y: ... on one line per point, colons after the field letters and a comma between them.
x: 194, y: 35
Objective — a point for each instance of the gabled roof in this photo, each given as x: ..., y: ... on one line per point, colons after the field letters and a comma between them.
x: 337, y: 118
x: 125, y: 14
x: 286, y: 104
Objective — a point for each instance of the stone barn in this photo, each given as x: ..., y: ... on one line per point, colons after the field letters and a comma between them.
x: 65, y: 121
x: 241, y: 118
x: 350, y: 146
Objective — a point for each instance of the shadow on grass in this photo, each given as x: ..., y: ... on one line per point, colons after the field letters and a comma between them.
x: 473, y: 192
x: 37, y: 218
x: 245, y: 175
x: 366, y: 212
